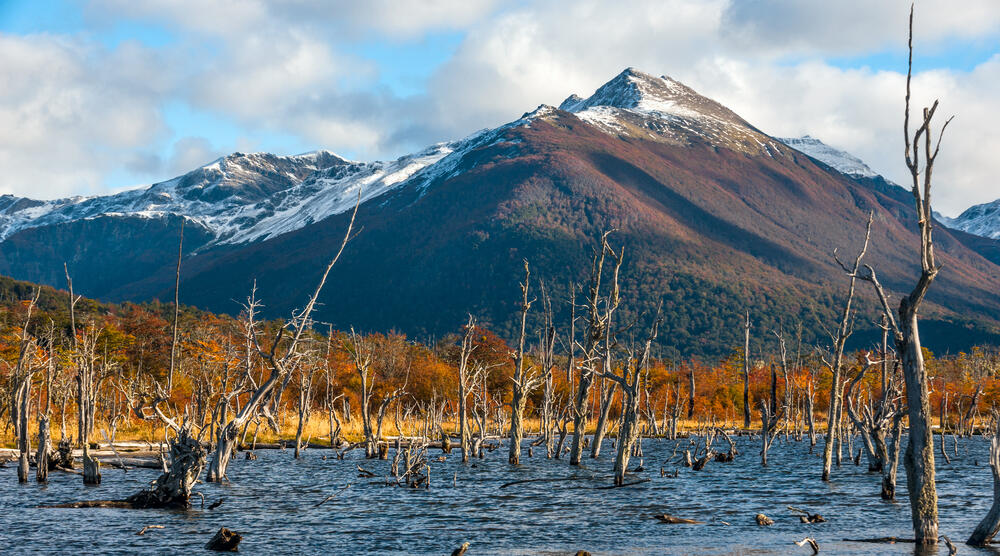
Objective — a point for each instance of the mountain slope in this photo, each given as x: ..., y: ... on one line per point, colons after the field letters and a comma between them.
x: 715, y: 217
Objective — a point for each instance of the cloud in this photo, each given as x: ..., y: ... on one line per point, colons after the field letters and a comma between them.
x: 73, y: 111
x: 848, y: 27
x: 69, y: 111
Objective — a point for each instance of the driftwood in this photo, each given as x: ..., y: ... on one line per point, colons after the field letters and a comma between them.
x: 807, y: 517
x: 331, y: 497
x: 633, y: 483
x: 883, y: 540
x: 224, y: 541
x: 667, y: 518
x: 147, y: 528
x: 811, y: 542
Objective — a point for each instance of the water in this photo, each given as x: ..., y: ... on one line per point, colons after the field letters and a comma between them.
x: 272, y: 501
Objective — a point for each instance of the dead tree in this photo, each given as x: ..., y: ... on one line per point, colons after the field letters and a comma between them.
x: 746, y: 371
x: 810, y: 399
x: 919, y: 457
x: 546, y: 349
x: 675, y: 413
x: 691, y: 392
x: 598, y: 320
x: 306, y: 373
x: 606, y: 397
x: 879, y: 423
x: 990, y: 524
x: 44, y: 416
x: 836, y: 363
x: 629, y: 381
x: 769, y: 421
x: 22, y: 376
x: 465, y: 384
x: 173, y: 488
x: 177, y: 289
x: 524, y: 381
x: 278, y: 366
x: 787, y: 398
x: 363, y: 351
x: 84, y: 397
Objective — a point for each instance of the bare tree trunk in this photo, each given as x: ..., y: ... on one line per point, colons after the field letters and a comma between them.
x: 891, y: 464
x: 691, y: 393
x: 463, y: 388
x: 177, y: 289
x: 768, y: 430
x: 990, y: 524
x: 525, y: 380
x: 607, y: 399
x: 746, y: 372
x: 810, y: 415
x: 23, y: 442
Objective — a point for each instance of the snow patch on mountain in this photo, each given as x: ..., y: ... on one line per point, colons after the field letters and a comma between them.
x: 981, y: 220
x: 244, y: 198
x: 839, y: 160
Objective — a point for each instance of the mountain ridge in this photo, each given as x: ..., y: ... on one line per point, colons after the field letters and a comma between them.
x: 716, y: 217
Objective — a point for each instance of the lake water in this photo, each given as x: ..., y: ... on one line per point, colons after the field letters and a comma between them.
x: 272, y: 501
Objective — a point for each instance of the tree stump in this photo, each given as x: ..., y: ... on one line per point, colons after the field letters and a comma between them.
x: 91, y: 470
x: 173, y: 488
x: 63, y: 457
x: 225, y: 541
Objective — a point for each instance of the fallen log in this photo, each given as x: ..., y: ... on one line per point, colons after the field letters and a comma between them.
x: 544, y: 480
x: 633, y: 483
x: 667, y: 518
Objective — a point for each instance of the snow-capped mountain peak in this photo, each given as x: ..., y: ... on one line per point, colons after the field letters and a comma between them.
x: 664, y: 109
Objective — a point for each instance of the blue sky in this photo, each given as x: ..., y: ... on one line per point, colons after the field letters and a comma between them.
x: 127, y: 93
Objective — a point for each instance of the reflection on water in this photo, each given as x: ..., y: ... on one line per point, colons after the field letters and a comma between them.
x: 272, y: 502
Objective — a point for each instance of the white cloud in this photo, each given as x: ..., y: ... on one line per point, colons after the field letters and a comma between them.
x: 72, y: 112
x: 69, y: 111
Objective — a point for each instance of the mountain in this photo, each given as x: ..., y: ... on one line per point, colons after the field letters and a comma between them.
x: 715, y: 216
x: 981, y: 220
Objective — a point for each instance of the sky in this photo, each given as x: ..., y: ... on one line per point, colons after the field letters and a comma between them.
x: 101, y: 95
